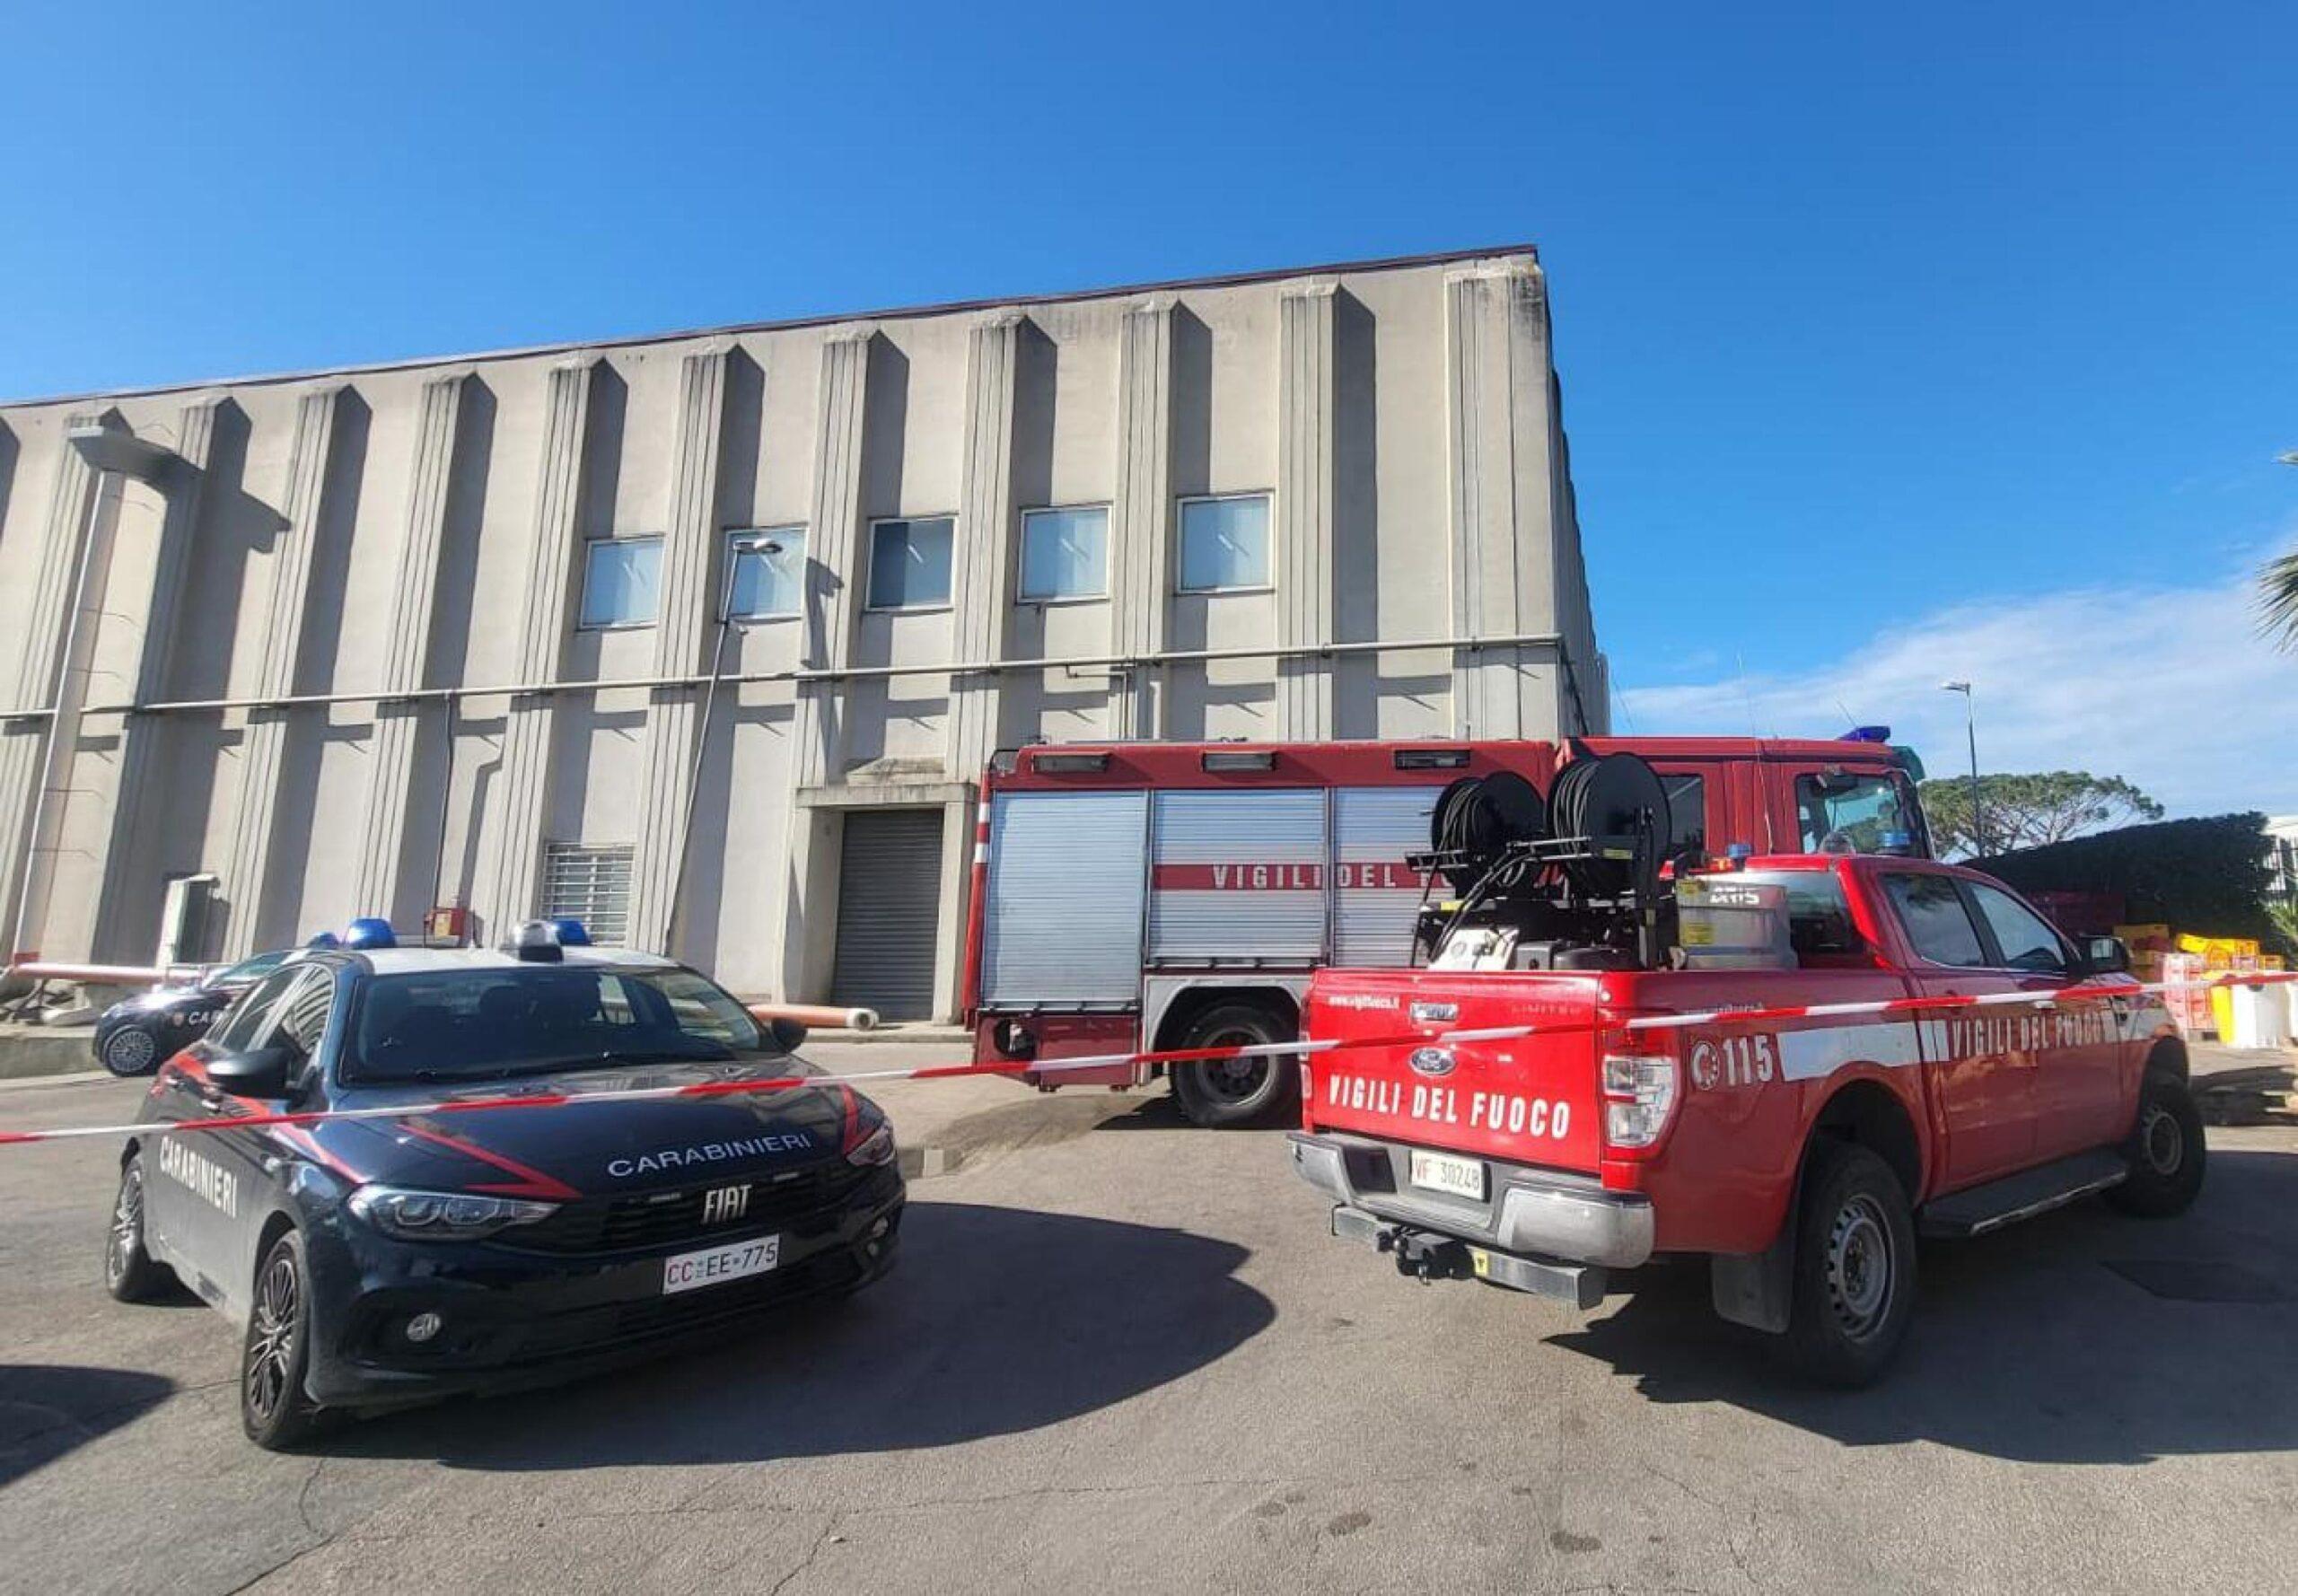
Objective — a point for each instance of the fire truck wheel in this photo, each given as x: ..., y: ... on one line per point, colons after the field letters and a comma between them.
x: 1230, y: 1091
x: 2165, y: 1152
x: 1855, y: 1267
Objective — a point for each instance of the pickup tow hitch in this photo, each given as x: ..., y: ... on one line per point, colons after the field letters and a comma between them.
x: 1425, y: 1258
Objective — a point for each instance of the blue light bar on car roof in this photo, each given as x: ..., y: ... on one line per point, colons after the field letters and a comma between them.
x: 369, y: 931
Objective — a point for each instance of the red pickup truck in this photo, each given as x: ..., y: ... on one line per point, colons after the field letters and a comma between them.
x: 1683, y: 1101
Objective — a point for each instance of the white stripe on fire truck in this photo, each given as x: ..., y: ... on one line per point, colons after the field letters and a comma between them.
x: 1817, y: 1053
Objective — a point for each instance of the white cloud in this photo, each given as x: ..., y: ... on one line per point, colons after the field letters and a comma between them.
x: 2172, y: 688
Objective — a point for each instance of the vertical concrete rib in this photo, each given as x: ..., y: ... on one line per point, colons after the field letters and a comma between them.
x: 144, y: 738
x: 980, y: 576
x: 525, y: 774
x: 1304, y: 506
x: 390, y: 756
x: 41, y: 656
x: 1485, y: 702
x: 247, y: 866
x: 833, y: 595
x: 1141, y: 519
x: 1504, y: 505
x: 688, y: 617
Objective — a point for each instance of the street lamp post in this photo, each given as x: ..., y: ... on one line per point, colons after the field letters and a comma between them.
x: 674, y: 923
x: 1970, y: 734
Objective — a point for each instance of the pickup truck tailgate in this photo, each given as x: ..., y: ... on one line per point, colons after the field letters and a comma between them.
x: 1530, y: 1100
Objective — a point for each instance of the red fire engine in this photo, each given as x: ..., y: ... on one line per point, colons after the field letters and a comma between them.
x: 1177, y: 895
x: 1793, y: 1068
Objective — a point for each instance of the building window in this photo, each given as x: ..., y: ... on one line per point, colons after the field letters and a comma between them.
x: 1065, y: 553
x: 622, y: 581
x: 590, y: 884
x: 910, y: 563
x: 766, y: 571
x: 1224, y: 543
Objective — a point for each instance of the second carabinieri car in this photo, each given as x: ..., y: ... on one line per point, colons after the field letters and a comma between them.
x: 376, y: 1262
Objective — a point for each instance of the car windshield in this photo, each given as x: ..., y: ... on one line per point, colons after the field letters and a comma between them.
x: 488, y: 1023
x: 247, y: 970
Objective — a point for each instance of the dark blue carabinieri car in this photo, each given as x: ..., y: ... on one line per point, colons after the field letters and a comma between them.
x: 135, y: 1033
x: 378, y: 1262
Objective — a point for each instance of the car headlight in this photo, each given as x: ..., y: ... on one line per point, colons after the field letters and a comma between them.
x: 442, y: 1216
x: 876, y: 1148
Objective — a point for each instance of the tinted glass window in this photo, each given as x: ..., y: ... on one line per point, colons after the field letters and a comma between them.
x: 1065, y: 554
x: 2025, y: 938
x: 909, y: 564
x: 303, y: 1013
x: 769, y: 577
x: 1686, y: 812
x: 1935, y: 919
x: 243, y: 1023
x: 461, y: 1024
x: 1819, y: 920
x: 1224, y: 543
x: 1855, y: 814
x: 622, y: 581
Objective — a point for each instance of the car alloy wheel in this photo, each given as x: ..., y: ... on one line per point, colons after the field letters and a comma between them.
x: 126, y: 1228
x: 271, y: 1344
x: 130, y: 1051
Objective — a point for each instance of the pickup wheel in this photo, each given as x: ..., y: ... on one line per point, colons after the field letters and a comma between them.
x: 1855, y: 1267
x: 1218, y: 1093
x: 2165, y: 1151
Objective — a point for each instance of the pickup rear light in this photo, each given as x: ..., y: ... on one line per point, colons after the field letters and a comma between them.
x: 1640, y: 1092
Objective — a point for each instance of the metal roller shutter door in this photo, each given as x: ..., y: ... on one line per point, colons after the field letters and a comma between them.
x: 1376, y: 901
x: 1238, y: 877
x: 1067, y: 880
x: 889, y: 911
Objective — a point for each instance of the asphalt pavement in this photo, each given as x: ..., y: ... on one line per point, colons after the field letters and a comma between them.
x: 1120, y: 1353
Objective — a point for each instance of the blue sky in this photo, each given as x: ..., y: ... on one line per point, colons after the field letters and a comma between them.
x: 1950, y: 340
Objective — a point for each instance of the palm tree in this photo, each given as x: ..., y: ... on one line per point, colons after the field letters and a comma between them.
x: 2278, y: 586
x: 2279, y: 599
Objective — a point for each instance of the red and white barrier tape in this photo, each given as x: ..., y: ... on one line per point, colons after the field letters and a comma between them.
x: 736, y: 1087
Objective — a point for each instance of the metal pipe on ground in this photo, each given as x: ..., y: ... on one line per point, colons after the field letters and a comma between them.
x: 817, y: 1016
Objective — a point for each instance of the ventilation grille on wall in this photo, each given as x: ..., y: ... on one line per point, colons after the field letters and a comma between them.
x: 590, y: 884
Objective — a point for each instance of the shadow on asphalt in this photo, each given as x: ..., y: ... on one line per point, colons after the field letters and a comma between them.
x: 50, y: 1409
x: 996, y: 1322
x: 2033, y: 1344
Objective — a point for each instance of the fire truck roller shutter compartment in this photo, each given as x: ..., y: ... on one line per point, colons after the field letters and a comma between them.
x: 1238, y: 877
x: 1064, y: 920
x: 888, y: 912
x: 1376, y: 900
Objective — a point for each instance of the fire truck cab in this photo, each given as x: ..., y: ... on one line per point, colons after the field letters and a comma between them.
x: 1172, y: 895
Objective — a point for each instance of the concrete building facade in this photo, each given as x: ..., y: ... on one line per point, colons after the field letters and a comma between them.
x: 709, y: 635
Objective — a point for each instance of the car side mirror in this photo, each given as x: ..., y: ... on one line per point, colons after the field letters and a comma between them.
x: 2106, y: 955
x: 786, y: 1033
x: 259, y: 1072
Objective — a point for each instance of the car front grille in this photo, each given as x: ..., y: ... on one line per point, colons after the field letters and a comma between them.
x: 659, y: 1219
